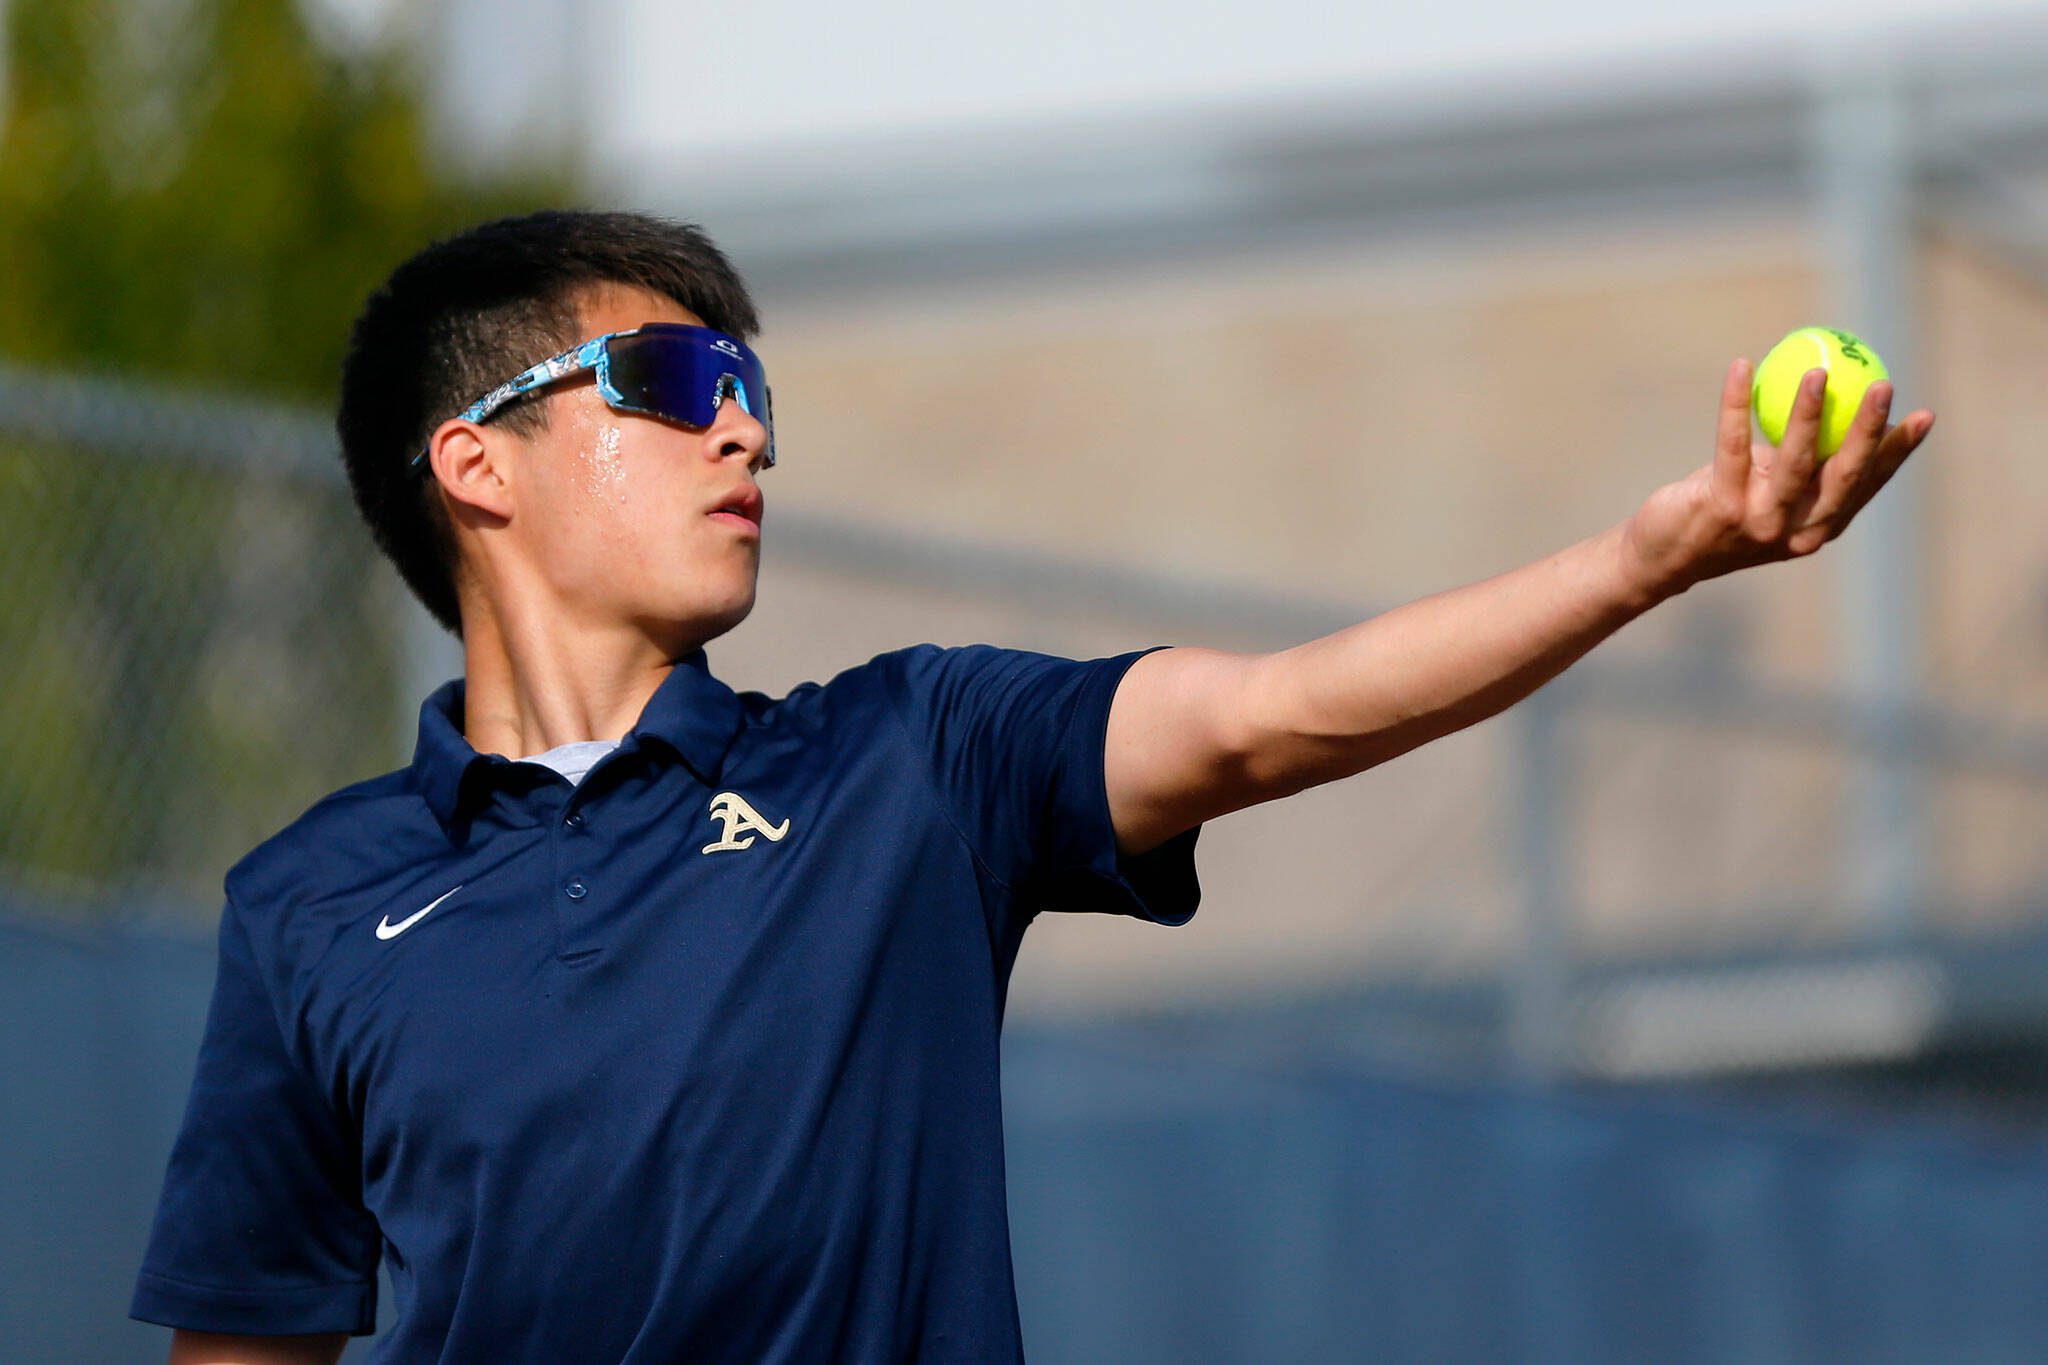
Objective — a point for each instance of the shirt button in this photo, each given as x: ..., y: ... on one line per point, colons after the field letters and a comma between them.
x: 574, y: 819
x: 576, y: 890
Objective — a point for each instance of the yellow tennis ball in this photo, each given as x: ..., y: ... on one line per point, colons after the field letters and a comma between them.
x: 1852, y: 368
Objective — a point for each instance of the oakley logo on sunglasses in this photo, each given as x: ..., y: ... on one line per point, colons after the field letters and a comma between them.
x: 729, y: 347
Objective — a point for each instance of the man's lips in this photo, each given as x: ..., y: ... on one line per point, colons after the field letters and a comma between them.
x: 742, y: 508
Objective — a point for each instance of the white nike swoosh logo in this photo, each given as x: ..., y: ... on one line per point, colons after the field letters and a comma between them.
x: 386, y: 929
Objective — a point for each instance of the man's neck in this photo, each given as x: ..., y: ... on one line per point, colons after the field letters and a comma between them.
x: 533, y: 685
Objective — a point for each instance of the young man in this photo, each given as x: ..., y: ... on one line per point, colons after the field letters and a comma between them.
x: 640, y: 1020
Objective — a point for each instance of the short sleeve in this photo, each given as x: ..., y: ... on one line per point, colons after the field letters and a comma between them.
x: 1015, y: 743
x: 260, y: 1227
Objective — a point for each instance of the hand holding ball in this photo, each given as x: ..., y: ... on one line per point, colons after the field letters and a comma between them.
x: 1758, y: 503
x: 1852, y: 368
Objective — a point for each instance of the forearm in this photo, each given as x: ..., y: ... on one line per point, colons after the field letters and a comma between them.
x: 1194, y: 733
x: 1349, y: 701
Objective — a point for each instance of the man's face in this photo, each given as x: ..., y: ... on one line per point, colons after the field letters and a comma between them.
x: 619, y: 512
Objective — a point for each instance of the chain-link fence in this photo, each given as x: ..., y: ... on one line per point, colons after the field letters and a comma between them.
x: 194, y: 643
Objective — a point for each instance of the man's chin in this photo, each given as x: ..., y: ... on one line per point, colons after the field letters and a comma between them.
x: 692, y: 624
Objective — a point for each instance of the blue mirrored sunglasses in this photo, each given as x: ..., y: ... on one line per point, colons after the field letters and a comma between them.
x: 663, y: 369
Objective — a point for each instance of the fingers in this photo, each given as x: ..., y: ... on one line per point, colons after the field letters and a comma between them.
x: 1792, y: 468
x: 1848, y: 492
x: 1798, y: 510
x: 1849, y: 470
x: 1866, y: 429
x: 1731, y: 437
x: 1898, y: 443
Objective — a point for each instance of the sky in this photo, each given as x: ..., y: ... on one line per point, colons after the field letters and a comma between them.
x: 779, y: 74
x: 674, y: 86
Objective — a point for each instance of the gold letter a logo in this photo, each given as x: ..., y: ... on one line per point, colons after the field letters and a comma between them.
x: 740, y: 818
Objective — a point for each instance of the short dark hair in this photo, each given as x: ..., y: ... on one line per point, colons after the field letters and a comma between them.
x: 468, y: 313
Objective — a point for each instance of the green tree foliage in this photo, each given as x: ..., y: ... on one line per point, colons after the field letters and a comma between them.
x: 200, y: 189
x: 199, y: 193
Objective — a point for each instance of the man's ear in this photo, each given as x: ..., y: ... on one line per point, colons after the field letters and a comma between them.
x: 469, y: 462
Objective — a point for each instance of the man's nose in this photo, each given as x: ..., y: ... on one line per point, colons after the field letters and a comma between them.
x: 735, y: 431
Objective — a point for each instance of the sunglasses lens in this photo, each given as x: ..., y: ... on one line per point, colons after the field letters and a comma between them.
x: 681, y: 373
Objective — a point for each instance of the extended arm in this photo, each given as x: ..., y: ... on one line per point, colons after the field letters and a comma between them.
x: 1197, y: 733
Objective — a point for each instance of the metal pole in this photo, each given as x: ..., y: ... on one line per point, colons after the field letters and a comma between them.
x: 1865, y: 161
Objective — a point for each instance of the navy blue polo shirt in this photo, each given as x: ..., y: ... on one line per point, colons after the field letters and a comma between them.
x: 694, y: 1060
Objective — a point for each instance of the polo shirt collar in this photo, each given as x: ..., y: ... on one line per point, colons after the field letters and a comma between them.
x: 692, y: 713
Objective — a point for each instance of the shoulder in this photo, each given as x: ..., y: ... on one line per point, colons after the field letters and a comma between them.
x: 929, y: 688
x: 921, y: 672
x: 333, y: 835
x: 888, y: 679
x: 924, y: 679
